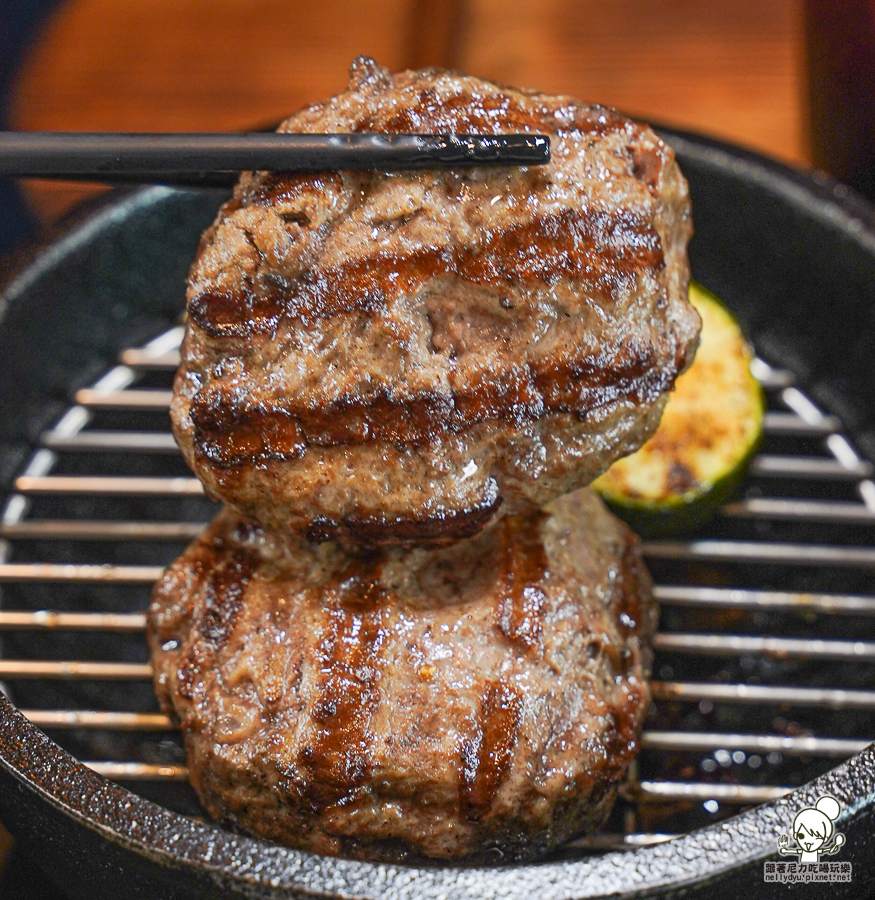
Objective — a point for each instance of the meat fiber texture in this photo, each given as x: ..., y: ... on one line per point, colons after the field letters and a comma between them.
x: 404, y: 357
x: 476, y: 702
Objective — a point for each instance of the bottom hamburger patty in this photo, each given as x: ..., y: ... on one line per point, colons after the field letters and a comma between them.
x: 407, y: 704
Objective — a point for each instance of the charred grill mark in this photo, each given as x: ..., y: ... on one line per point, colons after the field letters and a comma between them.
x: 601, y: 249
x: 279, y: 188
x: 455, y: 114
x: 440, y: 528
x: 437, y: 110
x: 224, y: 598
x: 235, y: 314
x: 223, y: 603
x: 510, y: 394
x: 487, y: 754
x: 231, y: 431
x: 185, y: 581
x: 598, y: 245
x: 338, y: 756
x: 637, y: 371
x: 518, y: 611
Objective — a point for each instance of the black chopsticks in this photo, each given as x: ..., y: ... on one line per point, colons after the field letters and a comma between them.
x: 217, y: 159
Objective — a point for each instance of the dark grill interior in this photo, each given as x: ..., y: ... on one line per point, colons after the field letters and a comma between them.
x: 765, y: 612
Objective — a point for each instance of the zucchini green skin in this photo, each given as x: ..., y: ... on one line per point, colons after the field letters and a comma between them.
x: 710, y: 431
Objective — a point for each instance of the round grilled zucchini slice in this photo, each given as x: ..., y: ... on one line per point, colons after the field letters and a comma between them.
x: 710, y: 430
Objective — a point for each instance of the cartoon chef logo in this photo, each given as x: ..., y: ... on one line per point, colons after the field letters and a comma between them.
x: 813, y: 832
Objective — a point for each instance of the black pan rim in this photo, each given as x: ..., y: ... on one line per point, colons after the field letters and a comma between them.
x: 41, y: 767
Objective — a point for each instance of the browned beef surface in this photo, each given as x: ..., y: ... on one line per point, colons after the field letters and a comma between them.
x: 479, y: 701
x: 403, y: 357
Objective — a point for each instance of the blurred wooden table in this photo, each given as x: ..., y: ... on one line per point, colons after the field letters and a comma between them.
x: 731, y: 68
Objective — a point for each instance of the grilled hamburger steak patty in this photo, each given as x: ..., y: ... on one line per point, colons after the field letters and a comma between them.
x: 410, y: 703
x: 393, y: 358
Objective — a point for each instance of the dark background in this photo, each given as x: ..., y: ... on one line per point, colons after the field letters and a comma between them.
x: 790, y: 78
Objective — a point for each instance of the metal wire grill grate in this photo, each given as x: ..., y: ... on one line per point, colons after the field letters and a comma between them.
x: 766, y: 613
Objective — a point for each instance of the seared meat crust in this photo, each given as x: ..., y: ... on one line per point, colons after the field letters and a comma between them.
x: 401, y: 704
x: 392, y: 358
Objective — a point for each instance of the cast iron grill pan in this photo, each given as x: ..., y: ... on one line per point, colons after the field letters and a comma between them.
x: 763, y: 676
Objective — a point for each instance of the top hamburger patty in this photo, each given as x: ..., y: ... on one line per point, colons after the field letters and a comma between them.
x: 402, y: 357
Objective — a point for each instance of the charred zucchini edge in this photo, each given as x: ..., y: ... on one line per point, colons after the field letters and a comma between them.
x: 711, y: 428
